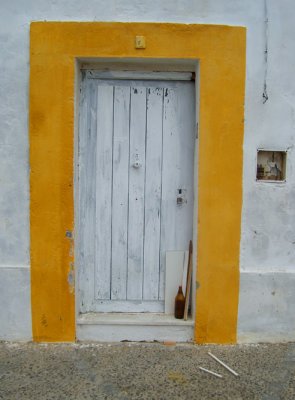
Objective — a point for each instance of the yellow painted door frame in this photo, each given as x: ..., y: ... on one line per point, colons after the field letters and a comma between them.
x: 54, y: 49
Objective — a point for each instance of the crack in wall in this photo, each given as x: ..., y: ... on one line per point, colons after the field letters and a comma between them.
x: 265, y: 94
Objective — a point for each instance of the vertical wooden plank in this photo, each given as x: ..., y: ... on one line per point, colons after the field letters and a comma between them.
x: 104, y: 162
x: 136, y: 193
x: 189, y: 281
x: 120, y: 192
x: 153, y: 183
x: 186, y: 146
x: 83, y: 282
x: 87, y: 172
x: 169, y: 180
x: 178, y: 162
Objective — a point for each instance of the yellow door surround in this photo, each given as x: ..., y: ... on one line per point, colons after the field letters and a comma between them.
x: 55, y: 46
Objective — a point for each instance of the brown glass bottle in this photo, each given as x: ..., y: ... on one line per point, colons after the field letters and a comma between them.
x: 179, y: 304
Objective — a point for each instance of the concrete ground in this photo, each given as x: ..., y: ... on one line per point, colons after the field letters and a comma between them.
x: 145, y: 371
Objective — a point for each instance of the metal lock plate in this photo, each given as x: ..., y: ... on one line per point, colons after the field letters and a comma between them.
x: 181, y: 197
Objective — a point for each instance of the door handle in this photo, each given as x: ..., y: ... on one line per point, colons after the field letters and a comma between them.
x: 136, y: 164
x: 181, y: 197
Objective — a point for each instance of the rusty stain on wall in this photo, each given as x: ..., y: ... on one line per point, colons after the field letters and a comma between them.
x: 265, y: 94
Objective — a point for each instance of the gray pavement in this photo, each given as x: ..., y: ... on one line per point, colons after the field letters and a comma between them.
x: 145, y: 371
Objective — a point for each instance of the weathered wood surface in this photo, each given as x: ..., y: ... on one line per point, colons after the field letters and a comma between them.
x: 136, y: 151
x: 120, y: 193
x: 103, y: 215
x: 153, y: 193
x: 136, y: 193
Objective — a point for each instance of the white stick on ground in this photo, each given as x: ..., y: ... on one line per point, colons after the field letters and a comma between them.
x: 223, y: 364
x: 211, y: 372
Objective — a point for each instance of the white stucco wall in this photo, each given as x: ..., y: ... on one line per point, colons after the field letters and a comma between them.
x: 268, y: 228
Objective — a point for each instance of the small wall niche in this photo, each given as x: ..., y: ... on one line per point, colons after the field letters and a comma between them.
x: 271, y: 165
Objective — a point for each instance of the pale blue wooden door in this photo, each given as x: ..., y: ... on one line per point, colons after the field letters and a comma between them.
x: 136, y: 158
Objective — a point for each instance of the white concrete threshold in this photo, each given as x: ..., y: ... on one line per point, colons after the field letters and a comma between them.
x: 116, y: 327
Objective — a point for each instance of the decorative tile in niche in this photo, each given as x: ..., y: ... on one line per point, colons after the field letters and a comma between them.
x: 271, y: 165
